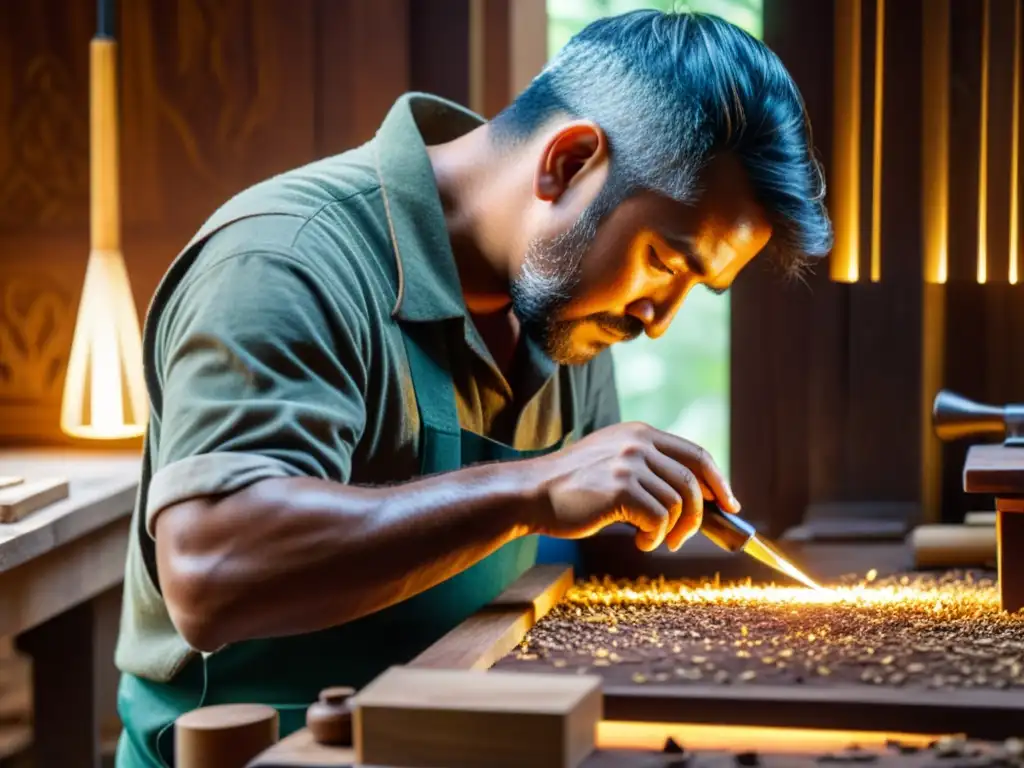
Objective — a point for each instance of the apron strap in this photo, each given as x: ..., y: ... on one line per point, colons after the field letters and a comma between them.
x: 440, y: 432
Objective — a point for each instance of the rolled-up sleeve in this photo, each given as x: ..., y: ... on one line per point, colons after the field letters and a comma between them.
x: 261, y: 372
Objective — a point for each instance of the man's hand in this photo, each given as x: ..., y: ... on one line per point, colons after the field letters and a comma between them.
x: 629, y: 473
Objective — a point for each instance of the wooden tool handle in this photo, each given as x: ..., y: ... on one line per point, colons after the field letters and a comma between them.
x: 952, y: 546
x: 105, y: 225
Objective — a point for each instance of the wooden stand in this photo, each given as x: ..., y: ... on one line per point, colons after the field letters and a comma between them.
x: 999, y: 470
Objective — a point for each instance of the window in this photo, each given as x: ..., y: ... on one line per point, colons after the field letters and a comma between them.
x: 680, y: 382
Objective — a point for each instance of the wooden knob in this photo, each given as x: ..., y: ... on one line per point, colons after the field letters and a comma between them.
x: 329, y: 719
x: 224, y: 736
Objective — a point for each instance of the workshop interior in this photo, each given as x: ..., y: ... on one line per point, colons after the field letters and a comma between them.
x: 866, y: 605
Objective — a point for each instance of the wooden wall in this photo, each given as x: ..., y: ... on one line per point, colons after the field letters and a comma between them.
x: 846, y: 373
x: 215, y: 95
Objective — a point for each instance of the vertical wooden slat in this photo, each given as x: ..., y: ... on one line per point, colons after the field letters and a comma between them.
x: 935, y: 141
x: 965, y: 111
x: 439, y: 48
x: 1002, y: 14
x: 490, y: 68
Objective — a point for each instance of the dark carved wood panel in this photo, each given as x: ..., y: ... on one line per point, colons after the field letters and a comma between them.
x: 217, y: 95
x: 44, y: 108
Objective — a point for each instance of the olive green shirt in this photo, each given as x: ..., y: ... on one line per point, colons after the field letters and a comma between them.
x: 272, y: 348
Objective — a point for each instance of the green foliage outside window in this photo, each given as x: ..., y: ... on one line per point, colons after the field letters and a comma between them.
x: 680, y: 382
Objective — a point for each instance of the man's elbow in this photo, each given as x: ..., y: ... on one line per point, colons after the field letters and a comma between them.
x: 195, y: 620
x: 187, y: 577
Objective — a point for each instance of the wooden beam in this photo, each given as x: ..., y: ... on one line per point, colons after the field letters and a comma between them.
x: 488, y: 635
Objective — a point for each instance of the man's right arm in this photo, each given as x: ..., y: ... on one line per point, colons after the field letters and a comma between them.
x: 256, y: 535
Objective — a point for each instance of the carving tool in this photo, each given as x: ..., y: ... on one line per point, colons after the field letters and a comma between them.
x: 734, y: 534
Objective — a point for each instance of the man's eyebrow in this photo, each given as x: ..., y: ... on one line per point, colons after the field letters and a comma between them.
x: 684, y: 245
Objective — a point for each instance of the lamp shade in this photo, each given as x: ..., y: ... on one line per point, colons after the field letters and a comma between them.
x: 104, y: 390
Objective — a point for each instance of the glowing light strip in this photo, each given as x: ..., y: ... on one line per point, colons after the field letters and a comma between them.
x: 983, y: 149
x: 621, y: 734
x: 844, y: 266
x: 1015, y: 153
x: 876, y: 157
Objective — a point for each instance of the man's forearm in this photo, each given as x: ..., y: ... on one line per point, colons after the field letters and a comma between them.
x: 295, y: 555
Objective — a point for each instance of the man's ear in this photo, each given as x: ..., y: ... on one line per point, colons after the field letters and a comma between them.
x: 574, y: 149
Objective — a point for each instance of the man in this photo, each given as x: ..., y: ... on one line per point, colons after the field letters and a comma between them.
x: 374, y: 379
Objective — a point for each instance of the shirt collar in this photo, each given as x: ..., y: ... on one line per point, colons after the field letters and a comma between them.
x: 428, y: 282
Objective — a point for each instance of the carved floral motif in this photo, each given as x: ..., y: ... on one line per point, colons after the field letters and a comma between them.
x: 36, y: 323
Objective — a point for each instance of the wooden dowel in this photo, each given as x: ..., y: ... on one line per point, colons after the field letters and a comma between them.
x: 953, y: 546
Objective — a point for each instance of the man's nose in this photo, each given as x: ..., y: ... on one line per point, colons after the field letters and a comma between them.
x: 657, y: 315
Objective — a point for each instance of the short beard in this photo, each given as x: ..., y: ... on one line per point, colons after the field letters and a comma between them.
x: 547, y: 281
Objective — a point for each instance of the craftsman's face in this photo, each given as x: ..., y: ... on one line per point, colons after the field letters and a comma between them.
x: 585, y: 288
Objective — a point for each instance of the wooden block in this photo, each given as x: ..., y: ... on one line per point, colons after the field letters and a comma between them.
x: 436, y: 718
x: 224, y: 736
x: 995, y: 469
x: 953, y: 546
x: 19, y: 500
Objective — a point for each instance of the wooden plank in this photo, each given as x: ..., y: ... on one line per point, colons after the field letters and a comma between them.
x: 994, y: 469
x: 979, y: 714
x: 444, y: 718
x: 7, y: 482
x: 491, y: 633
x: 18, y: 501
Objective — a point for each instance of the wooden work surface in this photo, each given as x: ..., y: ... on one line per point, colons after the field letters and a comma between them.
x: 57, y: 565
x: 994, y: 469
x: 299, y: 751
x: 70, y: 551
x: 103, y: 488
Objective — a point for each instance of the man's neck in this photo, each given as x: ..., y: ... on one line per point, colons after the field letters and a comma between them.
x: 480, y: 212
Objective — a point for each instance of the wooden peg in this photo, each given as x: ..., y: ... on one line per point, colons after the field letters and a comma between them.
x: 329, y: 719
x: 224, y: 736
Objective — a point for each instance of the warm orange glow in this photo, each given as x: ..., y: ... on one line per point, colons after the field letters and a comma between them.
x: 613, y: 734
x: 935, y: 142
x: 844, y: 265
x: 104, y: 390
x: 1015, y: 152
x: 983, y: 149
x: 876, y: 156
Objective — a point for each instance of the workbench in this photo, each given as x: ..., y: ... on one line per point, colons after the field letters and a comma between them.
x: 715, y: 721
x: 55, y: 564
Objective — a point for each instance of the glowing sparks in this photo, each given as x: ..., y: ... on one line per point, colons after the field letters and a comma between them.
x: 957, y: 597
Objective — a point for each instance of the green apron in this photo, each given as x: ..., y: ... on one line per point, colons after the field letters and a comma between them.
x: 288, y: 673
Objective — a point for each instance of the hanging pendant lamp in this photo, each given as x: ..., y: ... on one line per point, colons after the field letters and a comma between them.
x: 104, y: 390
